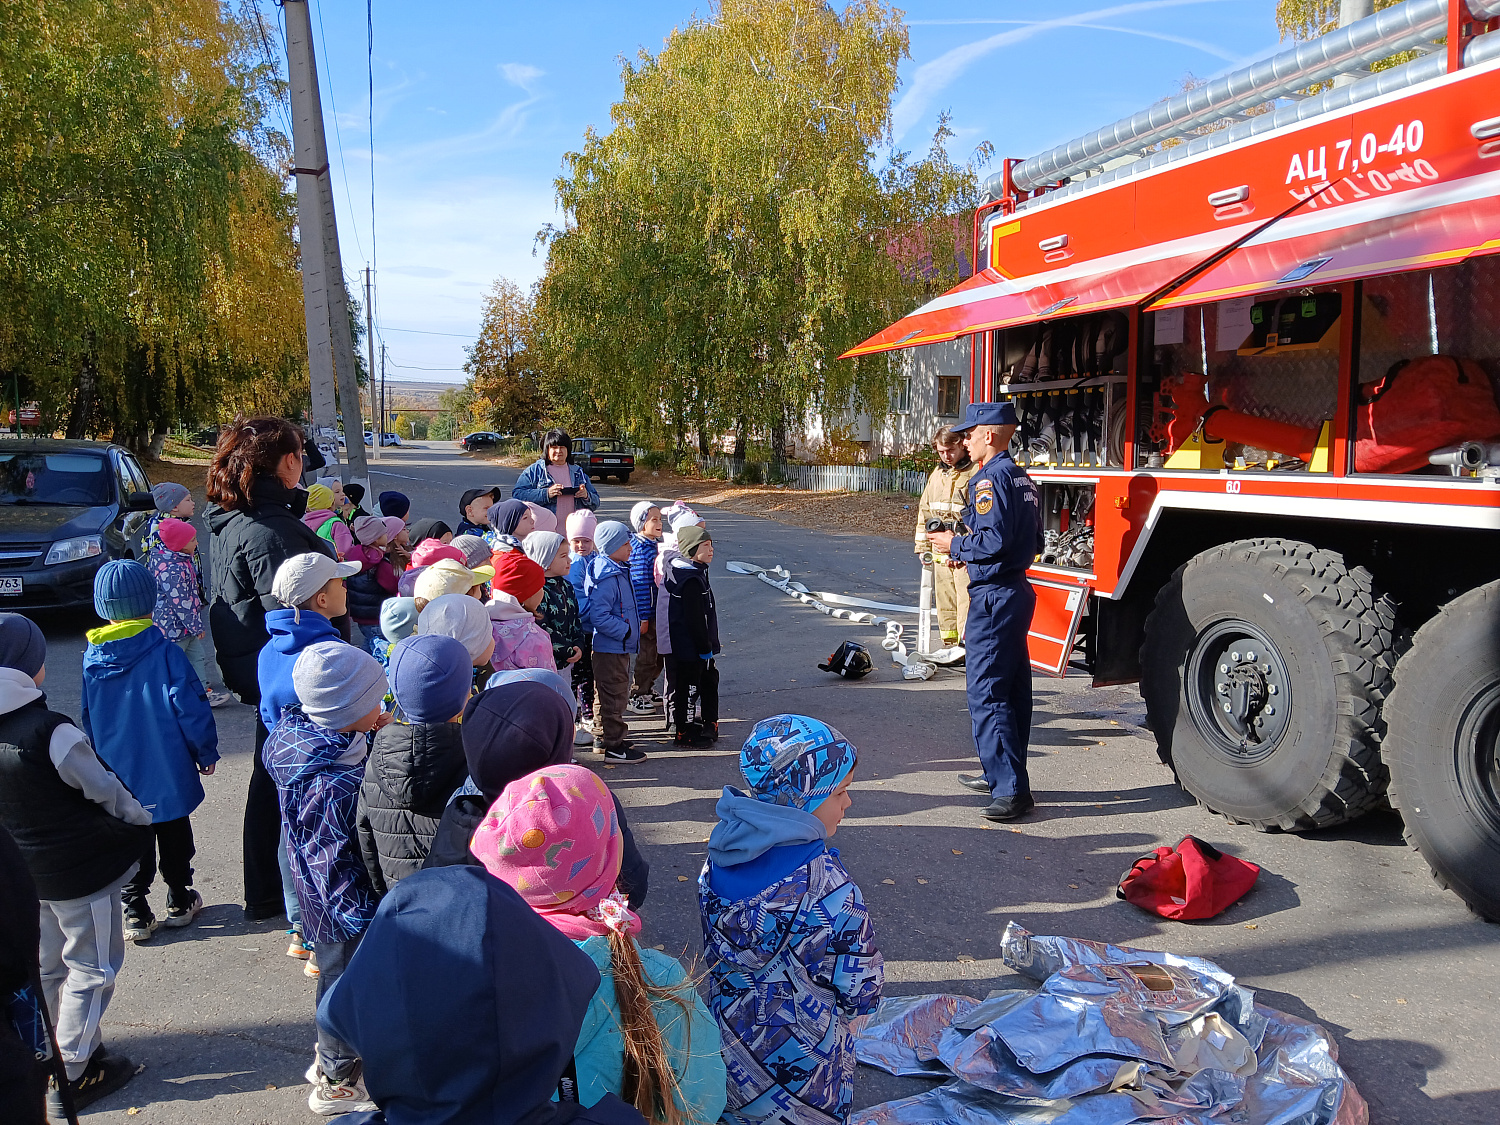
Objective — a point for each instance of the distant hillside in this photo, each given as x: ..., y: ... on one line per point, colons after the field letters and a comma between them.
x: 422, y: 396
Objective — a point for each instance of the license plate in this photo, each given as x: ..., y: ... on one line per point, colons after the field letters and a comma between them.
x: 10, y: 585
x: 611, y: 460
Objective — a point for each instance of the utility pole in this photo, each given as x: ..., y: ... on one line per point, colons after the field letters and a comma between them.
x: 384, y: 351
x: 1349, y: 12
x: 330, y: 347
x: 375, y: 411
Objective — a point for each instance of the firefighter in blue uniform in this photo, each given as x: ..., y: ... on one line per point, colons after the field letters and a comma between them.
x: 1004, y: 536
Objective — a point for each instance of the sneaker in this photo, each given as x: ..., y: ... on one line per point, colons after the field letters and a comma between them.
x: 582, y: 737
x: 310, y: 969
x: 655, y: 697
x: 104, y: 1074
x: 180, y: 913
x: 220, y: 699
x: 691, y: 739
x: 640, y: 705
x: 711, y: 732
x: 623, y: 753
x: 139, y: 926
x: 330, y: 1098
x: 296, y: 947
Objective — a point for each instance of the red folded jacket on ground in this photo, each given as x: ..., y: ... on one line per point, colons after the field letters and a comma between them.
x: 1192, y: 880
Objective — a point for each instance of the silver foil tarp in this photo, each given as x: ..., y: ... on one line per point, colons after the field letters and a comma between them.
x: 1112, y: 1036
x: 901, y: 1035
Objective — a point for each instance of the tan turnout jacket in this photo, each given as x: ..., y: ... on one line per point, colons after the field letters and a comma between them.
x: 943, y: 498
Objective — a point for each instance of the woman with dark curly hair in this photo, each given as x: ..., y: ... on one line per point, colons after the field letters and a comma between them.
x: 256, y: 521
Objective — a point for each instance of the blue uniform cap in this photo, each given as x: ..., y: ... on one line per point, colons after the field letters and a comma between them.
x: 988, y: 414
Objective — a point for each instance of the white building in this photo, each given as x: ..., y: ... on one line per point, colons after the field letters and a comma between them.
x: 932, y: 390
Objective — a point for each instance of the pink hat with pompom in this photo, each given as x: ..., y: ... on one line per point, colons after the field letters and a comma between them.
x: 553, y: 835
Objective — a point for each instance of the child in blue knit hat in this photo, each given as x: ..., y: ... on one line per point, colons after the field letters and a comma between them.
x: 789, y: 946
x: 154, y: 729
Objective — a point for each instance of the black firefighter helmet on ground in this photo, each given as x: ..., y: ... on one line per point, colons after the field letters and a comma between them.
x: 850, y: 660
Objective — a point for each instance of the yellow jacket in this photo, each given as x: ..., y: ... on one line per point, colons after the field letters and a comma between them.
x: 943, y: 498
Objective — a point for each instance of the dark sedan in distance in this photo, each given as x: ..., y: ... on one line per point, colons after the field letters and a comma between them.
x: 480, y: 439
x: 602, y: 457
x: 66, y: 508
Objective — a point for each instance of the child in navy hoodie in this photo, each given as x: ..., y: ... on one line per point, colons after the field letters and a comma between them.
x: 693, y: 624
x: 311, y: 586
x: 158, y: 735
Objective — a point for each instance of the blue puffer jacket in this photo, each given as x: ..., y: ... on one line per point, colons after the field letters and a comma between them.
x: 578, y: 574
x: 318, y: 774
x: 289, y: 637
x: 612, y: 613
x: 643, y: 575
x: 531, y: 486
x: 155, y: 725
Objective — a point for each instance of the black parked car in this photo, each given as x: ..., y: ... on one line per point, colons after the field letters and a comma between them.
x: 602, y: 457
x: 480, y: 439
x: 66, y: 508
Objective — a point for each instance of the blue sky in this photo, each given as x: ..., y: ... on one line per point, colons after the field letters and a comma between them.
x: 475, y: 104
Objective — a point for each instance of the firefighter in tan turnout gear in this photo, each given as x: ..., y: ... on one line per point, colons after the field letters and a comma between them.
x: 943, y: 499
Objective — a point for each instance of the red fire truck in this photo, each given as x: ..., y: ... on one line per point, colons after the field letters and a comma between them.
x: 1253, y: 337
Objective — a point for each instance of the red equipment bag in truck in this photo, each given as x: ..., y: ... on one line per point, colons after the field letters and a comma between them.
x: 1423, y: 405
x: 1192, y: 880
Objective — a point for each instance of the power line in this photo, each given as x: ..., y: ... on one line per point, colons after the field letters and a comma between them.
x: 337, y: 136
x: 425, y: 332
x: 280, y: 99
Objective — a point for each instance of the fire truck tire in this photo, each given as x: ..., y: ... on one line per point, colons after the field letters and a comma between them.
x: 1265, y: 666
x: 1443, y: 722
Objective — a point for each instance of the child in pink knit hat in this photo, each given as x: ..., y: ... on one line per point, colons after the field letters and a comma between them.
x: 554, y: 837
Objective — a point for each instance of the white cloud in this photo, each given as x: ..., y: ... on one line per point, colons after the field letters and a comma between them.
x: 933, y: 77
x: 521, y: 74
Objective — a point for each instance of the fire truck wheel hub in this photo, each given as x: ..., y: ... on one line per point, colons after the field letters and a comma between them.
x: 1243, y: 694
x: 1476, y: 760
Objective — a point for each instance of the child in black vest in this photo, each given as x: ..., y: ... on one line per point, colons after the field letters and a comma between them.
x: 693, y: 624
x: 82, y: 835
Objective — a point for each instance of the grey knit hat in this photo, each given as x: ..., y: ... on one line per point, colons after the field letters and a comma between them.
x: 337, y: 684
x: 610, y: 536
x: 475, y: 549
x: 168, y: 495
x: 541, y: 547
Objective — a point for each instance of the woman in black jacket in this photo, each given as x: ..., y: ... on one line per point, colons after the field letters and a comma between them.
x: 257, y: 525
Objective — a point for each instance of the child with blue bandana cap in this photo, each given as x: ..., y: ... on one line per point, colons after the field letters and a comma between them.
x: 787, y: 940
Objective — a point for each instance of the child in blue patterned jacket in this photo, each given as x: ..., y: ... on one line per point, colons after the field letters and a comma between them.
x: 790, y: 950
x: 316, y: 755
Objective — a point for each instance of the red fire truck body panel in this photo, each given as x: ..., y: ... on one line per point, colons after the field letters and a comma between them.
x: 1351, y: 172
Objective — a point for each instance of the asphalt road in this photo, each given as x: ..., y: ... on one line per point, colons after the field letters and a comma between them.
x: 1345, y: 926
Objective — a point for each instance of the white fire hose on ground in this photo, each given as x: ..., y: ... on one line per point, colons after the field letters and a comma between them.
x: 912, y: 667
